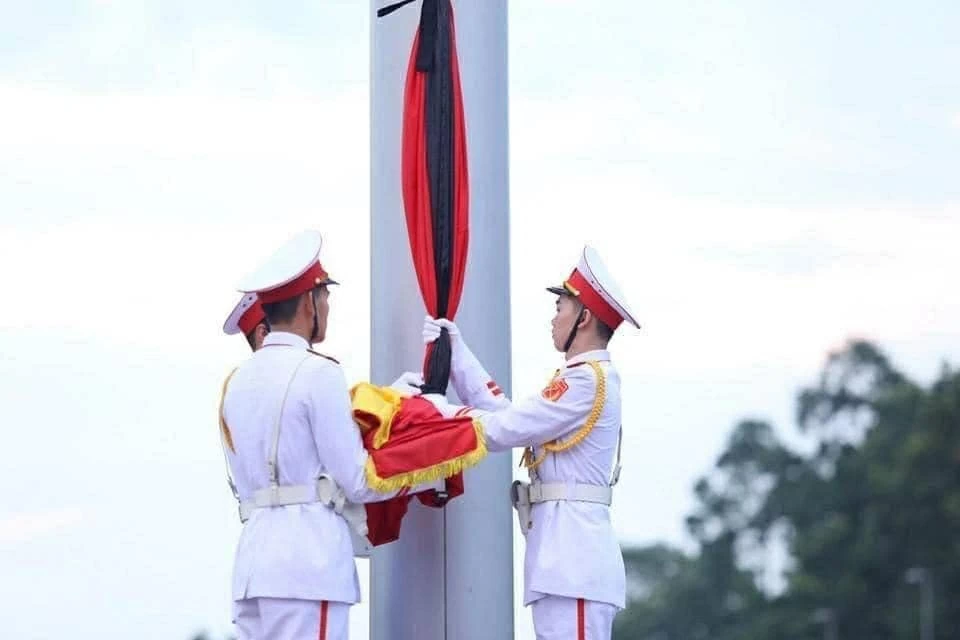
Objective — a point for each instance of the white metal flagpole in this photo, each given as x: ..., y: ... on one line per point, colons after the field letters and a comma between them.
x: 450, y: 575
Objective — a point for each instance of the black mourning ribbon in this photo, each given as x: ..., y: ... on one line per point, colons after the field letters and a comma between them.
x: 434, y: 56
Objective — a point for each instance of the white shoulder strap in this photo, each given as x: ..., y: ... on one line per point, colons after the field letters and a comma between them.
x: 274, y: 472
x: 615, y: 478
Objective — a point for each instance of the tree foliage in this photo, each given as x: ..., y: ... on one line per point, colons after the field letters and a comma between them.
x: 878, y: 493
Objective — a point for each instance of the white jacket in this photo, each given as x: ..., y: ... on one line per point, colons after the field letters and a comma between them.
x: 572, y: 550
x: 301, y: 551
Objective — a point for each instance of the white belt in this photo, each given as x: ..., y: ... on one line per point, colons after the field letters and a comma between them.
x: 326, y: 492
x: 524, y: 496
x: 540, y: 492
x: 323, y: 491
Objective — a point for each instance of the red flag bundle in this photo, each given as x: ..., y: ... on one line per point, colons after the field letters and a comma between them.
x: 408, y: 442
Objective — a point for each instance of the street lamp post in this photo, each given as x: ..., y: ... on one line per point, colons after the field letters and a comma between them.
x: 924, y: 577
x: 828, y: 618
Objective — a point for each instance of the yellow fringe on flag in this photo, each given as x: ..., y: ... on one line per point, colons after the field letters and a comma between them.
x: 439, y: 471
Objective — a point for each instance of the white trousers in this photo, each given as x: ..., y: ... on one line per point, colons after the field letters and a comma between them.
x: 557, y: 618
x: 283, y: 619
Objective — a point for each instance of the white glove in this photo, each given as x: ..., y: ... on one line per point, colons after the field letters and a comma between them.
x: 439, y: 401
x: 432, y: 327
x: 408, y: 383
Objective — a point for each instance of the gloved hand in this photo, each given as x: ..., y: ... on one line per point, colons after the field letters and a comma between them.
x: 408, y: 383
x: 436, y: 399
x: 432, y: 327
x: 439, y: 401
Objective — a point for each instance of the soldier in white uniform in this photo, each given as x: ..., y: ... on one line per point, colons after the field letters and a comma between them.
x: 248, y: 319
x: 573, y: 568
x: 297, y: 462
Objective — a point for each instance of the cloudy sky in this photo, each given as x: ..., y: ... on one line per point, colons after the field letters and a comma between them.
x: 766, y: 181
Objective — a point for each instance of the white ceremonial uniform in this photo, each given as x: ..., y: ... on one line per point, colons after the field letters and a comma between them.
x: 572, y: 552
x: 292, y: 560
x: 574, y: 576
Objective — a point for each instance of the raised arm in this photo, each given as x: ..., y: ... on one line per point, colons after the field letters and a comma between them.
x: 561, y: 408
x: 470, y: 379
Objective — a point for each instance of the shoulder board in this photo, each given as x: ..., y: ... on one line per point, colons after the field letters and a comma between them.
x: 317, y: 353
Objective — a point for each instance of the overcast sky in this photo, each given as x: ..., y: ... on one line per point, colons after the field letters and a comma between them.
x: 764, y: 181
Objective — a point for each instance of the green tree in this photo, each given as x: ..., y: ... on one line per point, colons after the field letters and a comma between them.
x: 879, y: 493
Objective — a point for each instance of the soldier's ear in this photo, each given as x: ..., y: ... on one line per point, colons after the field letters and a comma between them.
x: 307, y: 304
x: 585, y: 317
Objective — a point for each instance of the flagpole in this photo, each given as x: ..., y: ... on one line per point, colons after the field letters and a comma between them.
x: 450, y: 575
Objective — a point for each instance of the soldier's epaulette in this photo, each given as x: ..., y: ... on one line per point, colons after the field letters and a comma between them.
x: 317, y: 353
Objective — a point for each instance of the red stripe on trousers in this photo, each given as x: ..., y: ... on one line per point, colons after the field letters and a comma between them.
x: 581, y: 622
x: 323, y: 620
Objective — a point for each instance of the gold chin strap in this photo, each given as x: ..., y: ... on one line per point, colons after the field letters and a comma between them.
x: 531, y: 462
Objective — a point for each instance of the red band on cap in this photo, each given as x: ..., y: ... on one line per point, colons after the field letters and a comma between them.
x: 251, y: 318
x: 593, y: 301
x: 312, y: 277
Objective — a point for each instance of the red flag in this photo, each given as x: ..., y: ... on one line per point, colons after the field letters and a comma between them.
x: 408, y: 442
